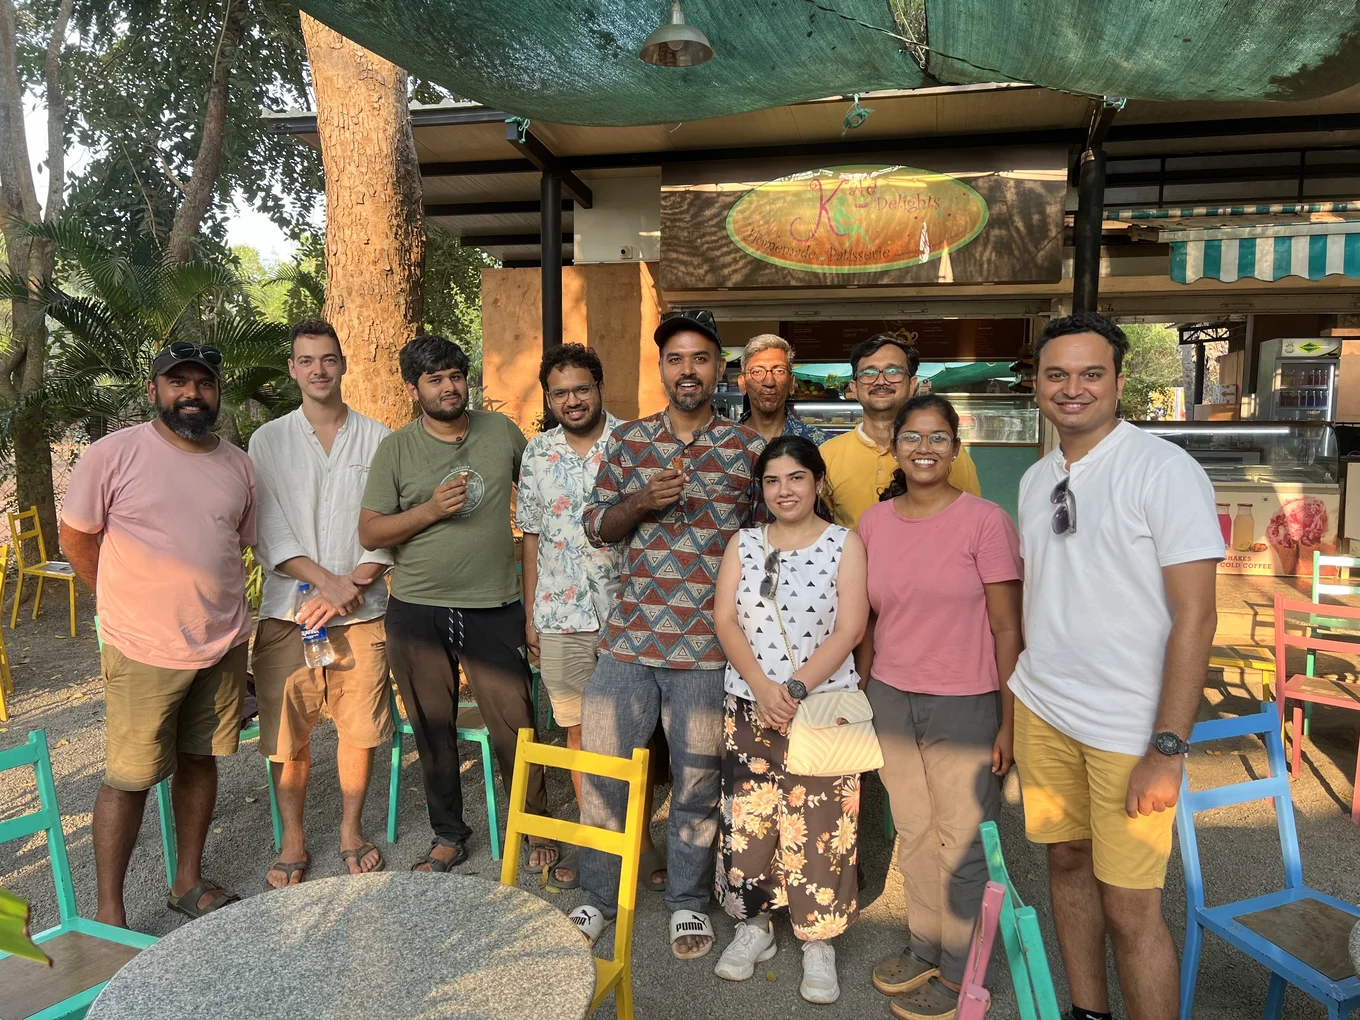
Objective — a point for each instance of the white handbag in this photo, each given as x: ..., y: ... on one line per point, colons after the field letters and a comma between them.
x: 832, y: 733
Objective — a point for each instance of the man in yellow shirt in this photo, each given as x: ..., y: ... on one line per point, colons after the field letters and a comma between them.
x: 860, y: 463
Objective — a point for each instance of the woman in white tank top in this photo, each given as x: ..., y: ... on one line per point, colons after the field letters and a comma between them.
x: 791, y: 606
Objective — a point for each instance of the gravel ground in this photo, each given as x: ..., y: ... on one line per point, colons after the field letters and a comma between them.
x: 57, y: 688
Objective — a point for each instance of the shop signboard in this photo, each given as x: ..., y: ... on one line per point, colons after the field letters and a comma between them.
x: 972, y: 217
x: 1274, y: 529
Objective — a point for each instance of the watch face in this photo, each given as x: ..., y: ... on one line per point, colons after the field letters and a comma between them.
x: 1168, y: 743
x: 797, y: 689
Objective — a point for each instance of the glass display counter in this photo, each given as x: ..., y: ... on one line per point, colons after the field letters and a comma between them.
x: 1276, y: 486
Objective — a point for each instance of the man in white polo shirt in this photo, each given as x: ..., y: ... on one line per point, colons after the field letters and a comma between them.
x: 1120, y: 539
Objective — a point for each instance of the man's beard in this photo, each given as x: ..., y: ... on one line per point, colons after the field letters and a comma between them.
x: 436, y: 411
x: 188, y: 427
x: 689, y: 402
x: 587, y: 424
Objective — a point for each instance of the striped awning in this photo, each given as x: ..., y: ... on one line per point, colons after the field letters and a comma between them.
x: 1266, y: 252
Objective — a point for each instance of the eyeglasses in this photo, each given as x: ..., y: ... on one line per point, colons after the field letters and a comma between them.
x: 182, y: 349
x: 700, y: 315
x: 771, y: 581
x: 581, y: 392
x: 1065, y: 516
x: 936, y: 440
x: 892, y: 374
x: 758, y: 373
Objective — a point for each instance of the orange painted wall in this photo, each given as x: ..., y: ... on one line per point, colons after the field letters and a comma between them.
x: 612, y: 308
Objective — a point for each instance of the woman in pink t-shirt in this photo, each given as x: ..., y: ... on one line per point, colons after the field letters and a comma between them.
x: 944, y: 588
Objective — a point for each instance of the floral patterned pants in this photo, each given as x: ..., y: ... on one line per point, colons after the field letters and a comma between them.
x: 787, y: 841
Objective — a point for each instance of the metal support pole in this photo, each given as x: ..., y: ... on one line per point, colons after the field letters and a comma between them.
x: 1199, y: 375
x: 1086, y: 231
x: 550, y: 241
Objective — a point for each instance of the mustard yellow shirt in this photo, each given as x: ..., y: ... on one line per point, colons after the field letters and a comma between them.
x: 857, y: 471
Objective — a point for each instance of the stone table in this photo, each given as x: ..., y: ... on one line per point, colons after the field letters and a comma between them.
x: 384, y: 946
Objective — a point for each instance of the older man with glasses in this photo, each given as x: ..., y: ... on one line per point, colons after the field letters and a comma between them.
x: 767, y: 381
x: 861, y: 462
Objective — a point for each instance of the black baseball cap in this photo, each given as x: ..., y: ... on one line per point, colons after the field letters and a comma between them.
x: 183, y: 352
x: 700, y: 320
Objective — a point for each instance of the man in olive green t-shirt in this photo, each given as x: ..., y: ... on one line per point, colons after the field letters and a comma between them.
x: 438, y: 494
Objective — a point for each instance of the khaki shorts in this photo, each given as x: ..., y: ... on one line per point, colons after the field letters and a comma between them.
x: 1073, y: 791
x: 153, y: 714
x: 566, y: 662
x: 354, y: 688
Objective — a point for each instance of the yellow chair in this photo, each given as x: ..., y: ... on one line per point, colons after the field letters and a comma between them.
x: 1244, y: 657
x: 6, y: 677
x: 610, y: 975
x: 57, y: 570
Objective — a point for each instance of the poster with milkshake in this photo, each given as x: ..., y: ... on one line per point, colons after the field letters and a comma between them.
x: 1275, y: 529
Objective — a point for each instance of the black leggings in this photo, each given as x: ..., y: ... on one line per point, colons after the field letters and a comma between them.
x: 424, y: 647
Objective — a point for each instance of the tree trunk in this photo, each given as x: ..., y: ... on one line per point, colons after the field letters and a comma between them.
x: 202, y: 183
x: 375, y: 236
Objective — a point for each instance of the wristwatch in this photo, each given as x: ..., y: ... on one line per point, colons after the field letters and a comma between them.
x: 1169, y: 743
x: 797, y: 689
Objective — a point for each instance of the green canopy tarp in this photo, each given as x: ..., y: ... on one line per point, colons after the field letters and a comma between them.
x: 575, y: 61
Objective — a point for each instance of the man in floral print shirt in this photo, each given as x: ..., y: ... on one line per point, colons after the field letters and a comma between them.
x: 569, y: 585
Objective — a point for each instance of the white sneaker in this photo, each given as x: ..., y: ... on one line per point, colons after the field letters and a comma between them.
x: 750, y: 945
x: 819, y: 973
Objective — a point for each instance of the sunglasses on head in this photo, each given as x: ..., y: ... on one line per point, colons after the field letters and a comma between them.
x: 771, y: 581
x: 1065, y: 515
x: 182, y: 349
x: 700, y: 315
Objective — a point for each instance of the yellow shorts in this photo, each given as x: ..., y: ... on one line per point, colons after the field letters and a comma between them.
x: 1072, y: 791
x: 354, y: 688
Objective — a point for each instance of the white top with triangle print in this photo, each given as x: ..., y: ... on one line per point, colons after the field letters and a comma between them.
x: 806, y: 591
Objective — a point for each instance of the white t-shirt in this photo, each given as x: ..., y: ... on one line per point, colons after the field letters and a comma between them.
x: 1096, y: 617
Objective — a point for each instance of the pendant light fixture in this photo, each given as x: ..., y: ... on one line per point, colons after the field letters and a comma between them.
x: 676, y: 44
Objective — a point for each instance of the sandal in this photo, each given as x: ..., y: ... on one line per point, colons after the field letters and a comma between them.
x: 930, y: 1001
x: 439, y: 865
x: 358, y: 853
x: 188, y: 903
x: 649, y: 864
x: 591, y: 922
x: 570, y: 861
x: 690, y: 922
x: 542, y: 844
x: 288, y: 869
x: 900, y: 974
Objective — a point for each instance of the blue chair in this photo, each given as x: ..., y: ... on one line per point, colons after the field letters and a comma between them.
x: 1298, y: 933
x: 470, y: 727
x: 85, y: 953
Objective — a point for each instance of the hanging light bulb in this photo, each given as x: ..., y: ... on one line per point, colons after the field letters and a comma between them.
x: 676, y: 44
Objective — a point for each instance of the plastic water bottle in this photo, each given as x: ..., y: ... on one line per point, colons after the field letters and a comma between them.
x: 316, y: 646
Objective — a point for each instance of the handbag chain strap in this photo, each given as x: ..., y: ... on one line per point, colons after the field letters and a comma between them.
x: 774, y: 600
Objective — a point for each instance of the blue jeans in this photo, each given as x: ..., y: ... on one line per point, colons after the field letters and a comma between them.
x: 619, y: 713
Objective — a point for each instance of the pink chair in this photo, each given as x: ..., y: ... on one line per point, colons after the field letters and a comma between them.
x: 974, y: 997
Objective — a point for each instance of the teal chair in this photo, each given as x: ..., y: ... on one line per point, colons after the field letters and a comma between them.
x: 1025, y: 954
x: 85, y: 953
x: 166, y: 812
x: 470, y: 727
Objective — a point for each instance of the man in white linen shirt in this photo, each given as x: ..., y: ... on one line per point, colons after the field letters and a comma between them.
x: 1119, y: 536
x: 312, y: 466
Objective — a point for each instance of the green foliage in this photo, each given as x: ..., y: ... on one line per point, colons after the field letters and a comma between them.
x: 1152, y: 365
x: 14, y: 930
x: 111, y: 314
x: 453, y: 295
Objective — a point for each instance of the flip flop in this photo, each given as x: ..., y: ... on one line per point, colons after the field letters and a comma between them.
x: 649, y: 864
x: 570, y: 861
x: 289, y: 868
x: 188, y: 903
x: 358, y: 853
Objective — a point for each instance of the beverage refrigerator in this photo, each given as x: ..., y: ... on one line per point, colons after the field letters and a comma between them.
x: 1298, y: 380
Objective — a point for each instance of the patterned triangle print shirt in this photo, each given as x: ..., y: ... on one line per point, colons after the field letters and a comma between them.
x: 664, y: 613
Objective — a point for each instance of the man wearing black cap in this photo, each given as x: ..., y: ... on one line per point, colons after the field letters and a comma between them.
x: 674, y: 487
x: 154, y: 521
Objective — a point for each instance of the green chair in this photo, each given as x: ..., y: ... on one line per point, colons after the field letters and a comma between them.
x: 1025, y: 953
x: 85, y: 953
x: 1347, y: 583
x: 166, y: 813
x: 470, y: 727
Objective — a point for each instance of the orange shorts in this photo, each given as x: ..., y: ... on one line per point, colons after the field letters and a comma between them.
x: 354, y: 688
x: 1073, y: 791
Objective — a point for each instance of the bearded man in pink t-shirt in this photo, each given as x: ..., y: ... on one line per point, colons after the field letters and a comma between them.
x: 154, y: 521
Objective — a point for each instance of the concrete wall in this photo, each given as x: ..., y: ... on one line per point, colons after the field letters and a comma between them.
x: 611, y: 308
